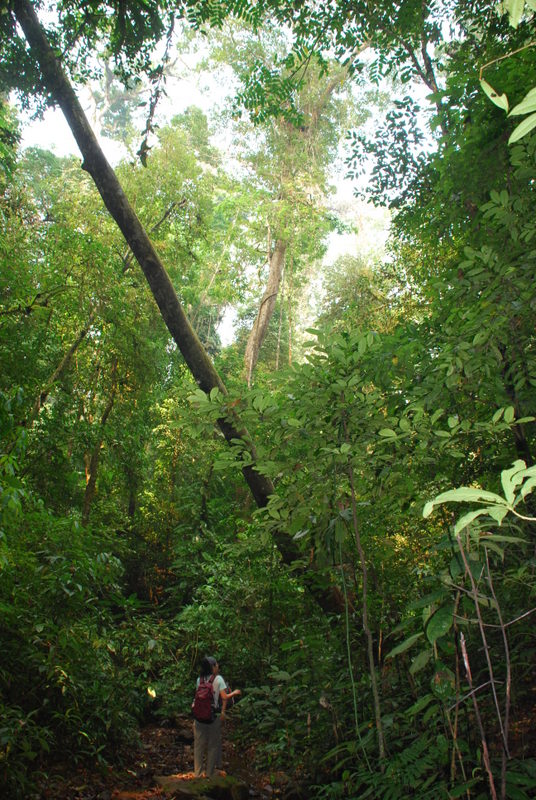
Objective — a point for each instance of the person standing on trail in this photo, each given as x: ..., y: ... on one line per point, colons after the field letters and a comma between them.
x: 210, y: 702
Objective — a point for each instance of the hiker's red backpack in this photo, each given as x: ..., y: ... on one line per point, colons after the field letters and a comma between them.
x: 203, y: 704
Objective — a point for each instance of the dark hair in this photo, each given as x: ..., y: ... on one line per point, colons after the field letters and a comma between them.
x: 206, y: 666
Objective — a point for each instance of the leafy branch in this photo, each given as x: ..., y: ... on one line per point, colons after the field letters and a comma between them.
x: 495, y: 506
x: 515, y: 10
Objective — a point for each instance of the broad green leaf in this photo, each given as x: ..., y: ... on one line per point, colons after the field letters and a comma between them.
x: 432, y: 597
x: 522, y: 129
x: 340, y: 531
x: 388, y: 433
x: 439, y: 623
x: 527, y: 105
x: 500, y: 100
x: 435, y: 416
x: 499, y: 538
x: 420, y: 661
x: 405, y: 645
x: 465, y: 494
x: 455, y: 568
x: 498, y: 513
x: 198, y: 396
x: 421, y: 703
x: 527, y: 487
x: 431, y: 712
x: 509, y: 414
x: 280, y: 675
x: 498, y: 414
x: 466, y: 520
x: 514, y: 9
x: 461, y: 789
x: 293, y: 423
x: 495, y: 548
x: 510, y: 478
x: 480, y: 337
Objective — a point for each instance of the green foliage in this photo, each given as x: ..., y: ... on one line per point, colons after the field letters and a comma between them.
x: 419, y: 378
x: 9, y: 137
x: 11, y: 487
x: 61, y: 689
x: 415, y: 770
x: 281, y: 710
x: 22, y: 741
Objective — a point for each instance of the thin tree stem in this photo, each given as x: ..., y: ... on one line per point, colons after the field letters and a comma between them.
x: 366, y: 628
x: 349, y: 657
x: 484, y: 642
x: 456, y: 752
x: 508, y: 687
x: 485, y: 753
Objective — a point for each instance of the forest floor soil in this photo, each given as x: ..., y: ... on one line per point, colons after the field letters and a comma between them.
x: 162, y: 751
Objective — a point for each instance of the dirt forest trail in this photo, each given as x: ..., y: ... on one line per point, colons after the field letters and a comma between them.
x: 162, y: 752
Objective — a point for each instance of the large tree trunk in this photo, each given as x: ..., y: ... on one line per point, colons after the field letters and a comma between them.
x: 58, y: 85
x: 266, y: 308
x: 119, y: 207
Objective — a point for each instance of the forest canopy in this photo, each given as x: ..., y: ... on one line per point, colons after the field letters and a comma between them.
x: 337, y: 500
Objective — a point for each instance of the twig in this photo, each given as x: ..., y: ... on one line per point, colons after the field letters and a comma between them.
x: 469, y: 694
x: 349, y: 656
x: 508, y: 679
x: 485, y: 753
x: 484, y: 642
x: 454, y: 727
x: 505, y: 624
x: 501, y: 58
x: 155, y: 96
x: 522, y: 516
x: 365, y: 601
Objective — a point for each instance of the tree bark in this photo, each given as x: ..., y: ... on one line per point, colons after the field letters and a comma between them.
x: 115, y: 200
x: 266, y: 308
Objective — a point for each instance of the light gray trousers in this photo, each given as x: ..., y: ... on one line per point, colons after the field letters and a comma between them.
x: 207, y: 747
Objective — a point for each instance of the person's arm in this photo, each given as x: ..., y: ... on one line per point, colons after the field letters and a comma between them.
x: 225, y: 696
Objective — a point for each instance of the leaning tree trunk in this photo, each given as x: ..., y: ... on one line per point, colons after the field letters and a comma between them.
x: 94, y: 162
x: 119, y: 207
x: 266, y: 308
